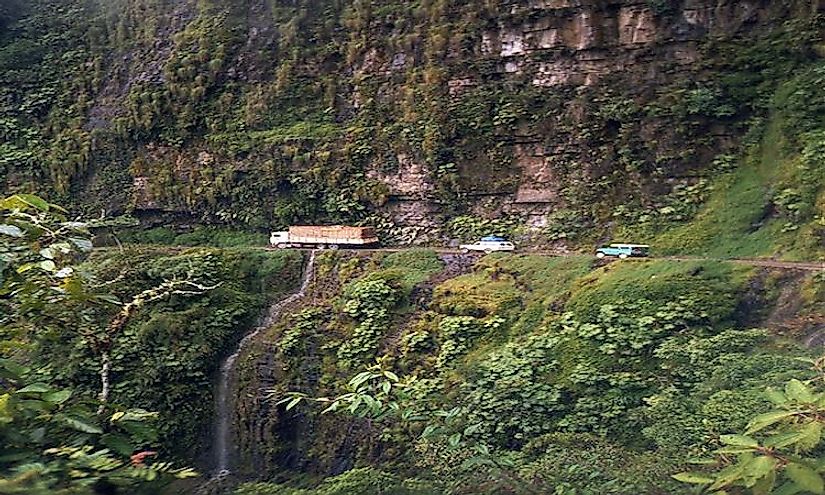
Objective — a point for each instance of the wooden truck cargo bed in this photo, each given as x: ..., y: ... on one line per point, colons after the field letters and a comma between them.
x: 332, y: 231
x: 332, y: 234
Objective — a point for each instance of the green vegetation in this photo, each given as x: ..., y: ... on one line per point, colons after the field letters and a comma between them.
x: 167, y: 356
x: 199, y: 236
x: 771, y: 205
x: 125, y: 333
x: 526, y: 374
x: 53, y: 439
x: 412, y: 372
x: 260, y: 116
x: 531, y: 374
x: 766, y: 200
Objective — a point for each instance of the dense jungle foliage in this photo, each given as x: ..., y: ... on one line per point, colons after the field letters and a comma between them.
x: 147, y: 147
x: 405, y: 372
x: 534, y: 375
x: 155, y: 320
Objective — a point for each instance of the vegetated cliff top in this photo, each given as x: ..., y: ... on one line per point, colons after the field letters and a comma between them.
x: 694, y: 124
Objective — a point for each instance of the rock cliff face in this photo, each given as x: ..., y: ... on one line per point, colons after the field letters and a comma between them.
x: 268, y: 112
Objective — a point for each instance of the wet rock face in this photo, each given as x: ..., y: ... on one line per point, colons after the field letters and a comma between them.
x: 409, y: 179
x: 598, y: 46
x: 581, y: 41
x: 581, y: 52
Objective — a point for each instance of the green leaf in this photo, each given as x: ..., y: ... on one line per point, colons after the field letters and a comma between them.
x: 25, y: 267
x: 35, y: 388
x: 764, y: 420
x: 370, y: 402
x: 472, y: 429
x: 776, y: 396
x: 765, y: 485
x: 732, y: 473
x: 428, y: 431
x: 139, y: 429
x: 811, y: 435
x: 360, y: 378
x: 81, y: 424
x: 48, y: 265
x: 20, y: 200
x: 798, y: 391
x: 6, y: 414
x: 118, y: 443
x: 784, y: 439
x: 35, y: 201
x: 734, y: 450
x: 695, y: 478
x: 739, y: 440
x: 58, y: 397
x: 392, y: 376
x: 294, y: 402
x: 760, y: 467
x: 788, y: 488
x: 107, y: 298
x: 806, y: 478
x: 12, y: 369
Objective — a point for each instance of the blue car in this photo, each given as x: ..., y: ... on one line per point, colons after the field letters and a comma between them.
x: 623, y: 250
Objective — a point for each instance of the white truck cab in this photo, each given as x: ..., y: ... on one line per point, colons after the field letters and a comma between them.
x: 279, y: 238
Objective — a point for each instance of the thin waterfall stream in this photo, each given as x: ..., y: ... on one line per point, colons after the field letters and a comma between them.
x: 224, y: 397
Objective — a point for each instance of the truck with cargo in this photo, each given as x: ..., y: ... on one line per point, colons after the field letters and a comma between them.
x: 324, y: 237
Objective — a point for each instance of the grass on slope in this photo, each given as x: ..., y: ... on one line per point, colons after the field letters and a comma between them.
x: 734, y: 222
x: 543, y: 281
x: 774, y: 203
x: 521, y: 288
x: 414, y: 265
x: 714, y: 283
x: 216, y: 237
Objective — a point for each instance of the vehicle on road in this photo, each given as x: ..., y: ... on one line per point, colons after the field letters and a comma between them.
x: 324, y: 237
x: 488, y: 245
x: 623, y: 250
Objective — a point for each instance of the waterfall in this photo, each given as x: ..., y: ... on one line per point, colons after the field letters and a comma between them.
x: 223, y: 445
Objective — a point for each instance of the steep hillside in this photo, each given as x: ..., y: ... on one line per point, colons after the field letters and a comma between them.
x: 399, y: 372
x: 695, y: 124
x: 167, y: 357
x: 597, y: 378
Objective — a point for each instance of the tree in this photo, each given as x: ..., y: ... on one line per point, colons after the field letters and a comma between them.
x: 780, y: 451
x: 380, y: 397
x: 103, y: 341
x: 53, y: 439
